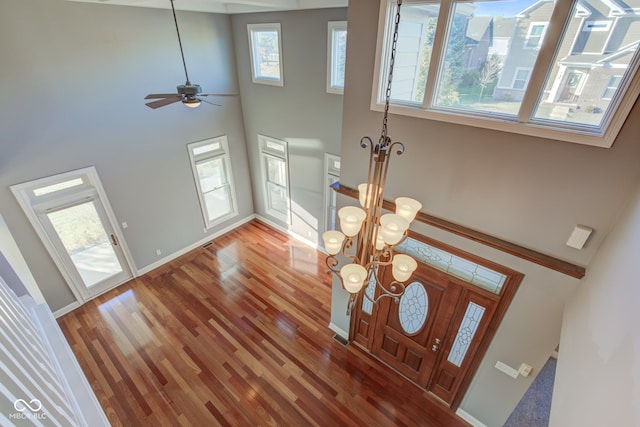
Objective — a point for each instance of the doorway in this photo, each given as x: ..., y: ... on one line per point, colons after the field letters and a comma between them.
x: 71, y: 215
x: 438, y: 331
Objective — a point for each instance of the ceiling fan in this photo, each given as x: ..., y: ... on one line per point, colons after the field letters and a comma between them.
x: 188, y: 93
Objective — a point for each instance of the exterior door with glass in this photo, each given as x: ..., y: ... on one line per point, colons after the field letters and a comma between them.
x: 405, y: 332
x: 71, y: 215
x: 88, y: 247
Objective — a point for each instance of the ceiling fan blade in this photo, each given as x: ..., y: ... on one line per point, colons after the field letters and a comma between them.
x: 162, y: 102
x: 162, y: 95
x: 209, y: 102
x: 217, y: 94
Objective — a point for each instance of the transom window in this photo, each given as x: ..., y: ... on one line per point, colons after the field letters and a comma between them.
x: 275, y: 173
x: 265, y: 45
x: 211, y: 167
x: 535, y: 67
x: 336, y: 56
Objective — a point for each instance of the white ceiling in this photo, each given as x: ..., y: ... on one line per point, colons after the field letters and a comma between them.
x: 227, y: 6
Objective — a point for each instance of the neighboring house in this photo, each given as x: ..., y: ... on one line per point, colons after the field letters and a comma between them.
x: 479, y: 39
x: 530, y: 28
x: 590, y: 65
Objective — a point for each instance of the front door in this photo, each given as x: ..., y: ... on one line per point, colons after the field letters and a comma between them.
x: 406, y: 335
x: 437, y: 332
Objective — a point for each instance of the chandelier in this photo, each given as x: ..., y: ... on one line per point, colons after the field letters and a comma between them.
x: 369, y: 237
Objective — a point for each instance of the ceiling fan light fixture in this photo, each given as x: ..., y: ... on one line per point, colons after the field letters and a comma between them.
x: 192, y: 103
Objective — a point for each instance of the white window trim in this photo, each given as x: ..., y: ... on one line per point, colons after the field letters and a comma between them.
x: 328, y: 171
x: 522, y: 127
x: 223, y: 153
x: 264, y: 153
x: 266, y: 27
x: 544, y: 26
x: 331, y: 27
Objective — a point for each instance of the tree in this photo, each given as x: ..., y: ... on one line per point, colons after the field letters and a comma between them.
x: 489, y: 72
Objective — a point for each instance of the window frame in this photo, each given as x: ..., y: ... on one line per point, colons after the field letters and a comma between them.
x: 251, y: 28
x: 197, y: 158
x: 524, y: 123
x: 332, y: 27
x: 331, y: 175
x: 265, y: 154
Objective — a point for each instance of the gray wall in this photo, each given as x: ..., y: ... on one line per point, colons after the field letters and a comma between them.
x: 598, y: 380
x: 527, y: 190
x: 301, y: 112
x: 74, y: 76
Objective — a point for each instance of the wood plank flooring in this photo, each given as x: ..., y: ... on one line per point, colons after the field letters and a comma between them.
x: 236, y: 334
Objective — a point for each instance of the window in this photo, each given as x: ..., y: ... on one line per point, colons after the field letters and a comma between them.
x: 332, y: 175
x: 274, y: 164
x: 211, y: 167
x: 521, y: 78
x: 336, y: 55
x: 534, y: 37
x: 265, y: 45
x: 485, y: 64
x: 612, y: 87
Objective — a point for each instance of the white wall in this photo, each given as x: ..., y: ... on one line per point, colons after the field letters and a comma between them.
x: 598, y: 373
x: 74, y: 78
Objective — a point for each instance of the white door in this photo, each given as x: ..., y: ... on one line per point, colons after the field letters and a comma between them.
x: 70, y: 214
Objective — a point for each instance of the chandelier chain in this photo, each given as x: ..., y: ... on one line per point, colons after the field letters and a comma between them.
x: 385, y: 137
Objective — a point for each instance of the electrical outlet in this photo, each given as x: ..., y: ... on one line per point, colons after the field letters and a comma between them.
x: 525, y: 370
x: 158, y: 252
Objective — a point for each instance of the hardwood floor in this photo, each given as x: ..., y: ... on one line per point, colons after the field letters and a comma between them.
x: 237, y: 334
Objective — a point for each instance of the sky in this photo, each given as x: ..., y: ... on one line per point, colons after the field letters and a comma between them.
x: 501, y: 8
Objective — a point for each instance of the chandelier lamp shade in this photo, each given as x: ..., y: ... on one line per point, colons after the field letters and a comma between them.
x: 368, y: 237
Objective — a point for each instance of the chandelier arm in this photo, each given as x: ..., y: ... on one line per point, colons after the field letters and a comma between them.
x: 331, y: 262
x: 400, y: 150
x: 366, y: 141
x: 351, y: 303
x: 391, y: 293
x: 346, y: 245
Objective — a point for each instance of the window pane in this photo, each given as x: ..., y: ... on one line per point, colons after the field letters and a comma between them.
x: 490, y: 50
x: 415, y: 43
x: 590, y: 63
x: 338, y: 55
x: 278, y: 200
x: 214, y: 146
x: 266, y: 54
x: 467, y: 330
x: 212, y: 174
x: 276, y: 171
x: 83, y: 235
x: 218, y: 203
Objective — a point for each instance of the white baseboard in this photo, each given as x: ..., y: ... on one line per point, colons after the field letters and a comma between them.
x: 344, y: 334
x: 66, y: 309
x: 193, y: 246
x: 469, y: 418
x: 293, y: 234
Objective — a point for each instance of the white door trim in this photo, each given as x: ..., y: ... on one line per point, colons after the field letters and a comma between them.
x: 23, y: 193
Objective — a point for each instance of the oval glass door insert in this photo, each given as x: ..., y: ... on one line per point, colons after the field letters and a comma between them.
x: 414, y: 305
